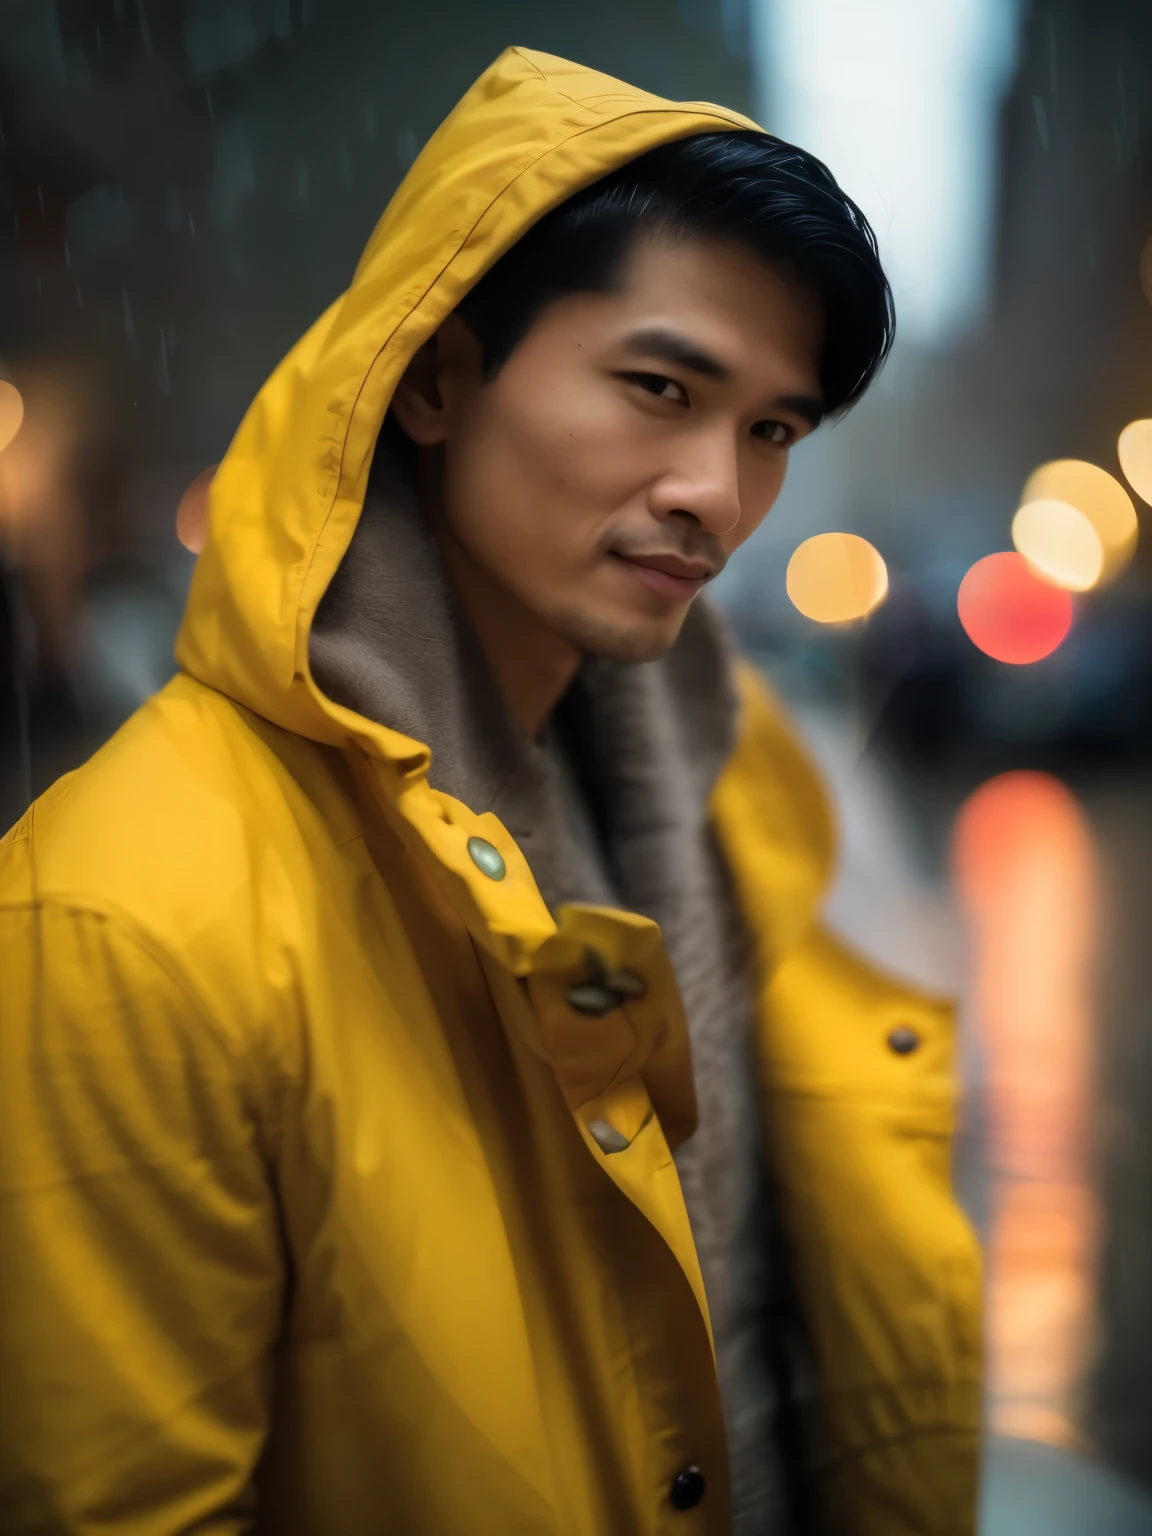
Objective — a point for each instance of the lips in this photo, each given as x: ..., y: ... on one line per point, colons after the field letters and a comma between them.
x: 669, y: 575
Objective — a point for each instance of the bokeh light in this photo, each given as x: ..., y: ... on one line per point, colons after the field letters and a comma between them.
x: 1009, y: 613
x: 192, y: 513
x: 1026, y: 870
x: 1135, y: 451
x: 1099, y: 496
x: 836, y: 577
x: 11, y: 412
x: 1059, y: 543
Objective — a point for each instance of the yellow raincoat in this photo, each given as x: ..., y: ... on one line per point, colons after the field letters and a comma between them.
x: 303, y: 1229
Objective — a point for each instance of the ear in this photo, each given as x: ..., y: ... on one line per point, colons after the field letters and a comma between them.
x: 416, y: 403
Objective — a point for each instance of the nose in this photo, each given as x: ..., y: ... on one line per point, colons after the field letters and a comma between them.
x: 703, y: 484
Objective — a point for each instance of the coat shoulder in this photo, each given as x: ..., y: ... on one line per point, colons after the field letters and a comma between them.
x: 198, y: 828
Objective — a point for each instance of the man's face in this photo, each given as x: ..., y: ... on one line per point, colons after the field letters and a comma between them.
x: 631, y: 441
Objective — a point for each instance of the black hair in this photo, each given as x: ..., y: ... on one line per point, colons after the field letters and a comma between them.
x: 777, y: 199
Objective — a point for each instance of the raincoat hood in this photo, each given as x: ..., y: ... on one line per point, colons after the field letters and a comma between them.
x: 288, y: 494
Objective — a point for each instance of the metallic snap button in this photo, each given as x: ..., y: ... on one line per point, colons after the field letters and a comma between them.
x: 903, y: 1039
x: 625, y: 984
x: 687, y: 1488
x: 607, y: 1137
x: 590, y: 997
x: 486, y: 858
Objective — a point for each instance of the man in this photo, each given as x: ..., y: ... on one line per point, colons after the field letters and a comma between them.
x: 359, y: 992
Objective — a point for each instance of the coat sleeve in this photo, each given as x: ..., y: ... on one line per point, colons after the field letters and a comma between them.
x: 140, y: 1264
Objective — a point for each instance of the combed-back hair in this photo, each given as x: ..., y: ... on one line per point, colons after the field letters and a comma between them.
x: 748, y: 187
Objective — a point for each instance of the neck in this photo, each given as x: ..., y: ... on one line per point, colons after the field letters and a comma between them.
x: 533, y: 665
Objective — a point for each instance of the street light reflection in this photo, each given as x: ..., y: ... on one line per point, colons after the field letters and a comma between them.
x: 1025, y: 866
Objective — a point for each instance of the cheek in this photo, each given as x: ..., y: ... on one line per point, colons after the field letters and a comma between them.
x: 544, y: 458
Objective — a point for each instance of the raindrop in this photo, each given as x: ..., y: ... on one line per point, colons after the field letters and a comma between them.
x: 368, y: 119
x: 1052, y: 52
x: 211, y: 108
x: 145, y: 29
x: 67, y: 257
x: 163, y: 377
x: 407, y: 147
x: 191, y: 225
x: 79, y: 297
x: 129, y: 322
x: 40, y: 197
x: 1041, y: 121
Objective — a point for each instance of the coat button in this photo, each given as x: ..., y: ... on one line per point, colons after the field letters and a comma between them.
x: 903, y: 1040
x: 687, y: 1488
x: 607, y: 1137
x: 591, y: 997
x: 486, y: 858
x: 625, y: 984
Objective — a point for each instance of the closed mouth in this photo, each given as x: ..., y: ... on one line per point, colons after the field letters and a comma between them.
x: 668, y: 575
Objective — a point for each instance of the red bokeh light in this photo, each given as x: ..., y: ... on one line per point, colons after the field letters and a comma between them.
x: 1009, y: 613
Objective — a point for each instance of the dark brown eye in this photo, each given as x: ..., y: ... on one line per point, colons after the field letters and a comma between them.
x: 660, y: 385
x: 776, y: 432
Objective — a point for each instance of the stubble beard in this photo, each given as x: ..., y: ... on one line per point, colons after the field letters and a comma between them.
x: 593, y: 637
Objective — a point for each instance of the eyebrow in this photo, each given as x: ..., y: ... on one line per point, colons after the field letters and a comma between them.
x: 674, y: 348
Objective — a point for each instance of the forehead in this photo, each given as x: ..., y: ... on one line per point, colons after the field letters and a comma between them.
x: 752, y: 315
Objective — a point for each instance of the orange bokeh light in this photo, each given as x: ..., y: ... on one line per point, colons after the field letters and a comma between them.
x: 192, y: 513
x: 11, y: 412
x: 834, y: 578
x: 1009, y: 613
x: 1100, y: 498
x: 1134, y: 450
x: 1060, y: 544
x: 1025, y: 866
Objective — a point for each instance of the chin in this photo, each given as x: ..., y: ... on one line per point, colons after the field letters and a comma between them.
x: 624, y: 640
